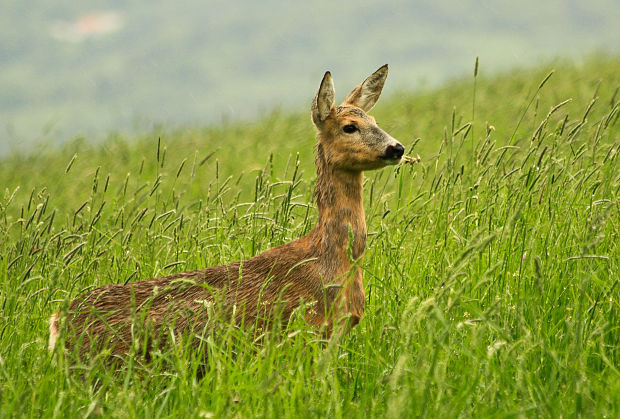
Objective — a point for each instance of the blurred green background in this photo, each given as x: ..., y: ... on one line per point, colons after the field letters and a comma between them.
x: 86, y: 68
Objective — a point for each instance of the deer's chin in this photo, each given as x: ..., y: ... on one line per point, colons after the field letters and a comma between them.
x: 376, y: 164
x: 391, y: 161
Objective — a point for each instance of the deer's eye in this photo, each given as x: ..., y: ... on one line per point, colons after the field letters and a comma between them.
x: 349, y: 129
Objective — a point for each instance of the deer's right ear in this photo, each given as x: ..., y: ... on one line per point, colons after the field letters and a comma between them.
x: 324, y: 100
x: 366, y: 94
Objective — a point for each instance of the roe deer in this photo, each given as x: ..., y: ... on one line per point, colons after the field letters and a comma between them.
x: 320, y: 268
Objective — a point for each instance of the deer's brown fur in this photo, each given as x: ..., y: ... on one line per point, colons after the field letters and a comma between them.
x: 316, y: 269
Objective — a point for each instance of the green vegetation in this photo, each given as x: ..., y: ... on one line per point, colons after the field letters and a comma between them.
x: 491, y: 272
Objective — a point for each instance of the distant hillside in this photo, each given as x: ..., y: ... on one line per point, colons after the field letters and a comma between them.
x: 243, y: 147
x: 71, y: 68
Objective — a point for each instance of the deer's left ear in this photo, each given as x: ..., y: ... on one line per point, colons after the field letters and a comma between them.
x: 366, y: 94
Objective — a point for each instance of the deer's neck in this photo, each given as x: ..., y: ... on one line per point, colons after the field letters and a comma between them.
x: 341, y: 212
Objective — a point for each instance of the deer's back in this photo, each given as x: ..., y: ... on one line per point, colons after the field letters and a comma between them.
x: 271, y: 284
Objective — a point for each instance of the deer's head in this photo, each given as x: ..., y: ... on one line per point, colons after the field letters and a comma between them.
x: 350, y: 138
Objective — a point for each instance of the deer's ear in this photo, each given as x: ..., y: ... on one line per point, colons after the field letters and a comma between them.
x: 324, y: 100
x: 366, y: 94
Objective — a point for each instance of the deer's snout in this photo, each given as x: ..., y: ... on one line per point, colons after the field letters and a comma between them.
x: 394, y: 152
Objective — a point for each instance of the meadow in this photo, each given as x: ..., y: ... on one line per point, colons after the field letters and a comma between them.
x: 491, y: 270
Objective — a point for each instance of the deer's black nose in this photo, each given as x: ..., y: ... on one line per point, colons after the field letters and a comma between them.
x: 394, y: 152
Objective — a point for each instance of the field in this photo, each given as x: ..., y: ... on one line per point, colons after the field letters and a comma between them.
x: 491, y: 271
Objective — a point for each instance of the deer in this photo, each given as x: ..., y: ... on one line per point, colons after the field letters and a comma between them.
x: 320, y: 270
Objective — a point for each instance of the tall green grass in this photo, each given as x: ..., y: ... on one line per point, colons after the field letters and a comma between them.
x: 491, y: 272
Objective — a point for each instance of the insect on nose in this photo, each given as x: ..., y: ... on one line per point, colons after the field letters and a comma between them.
x: 394, y: 151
